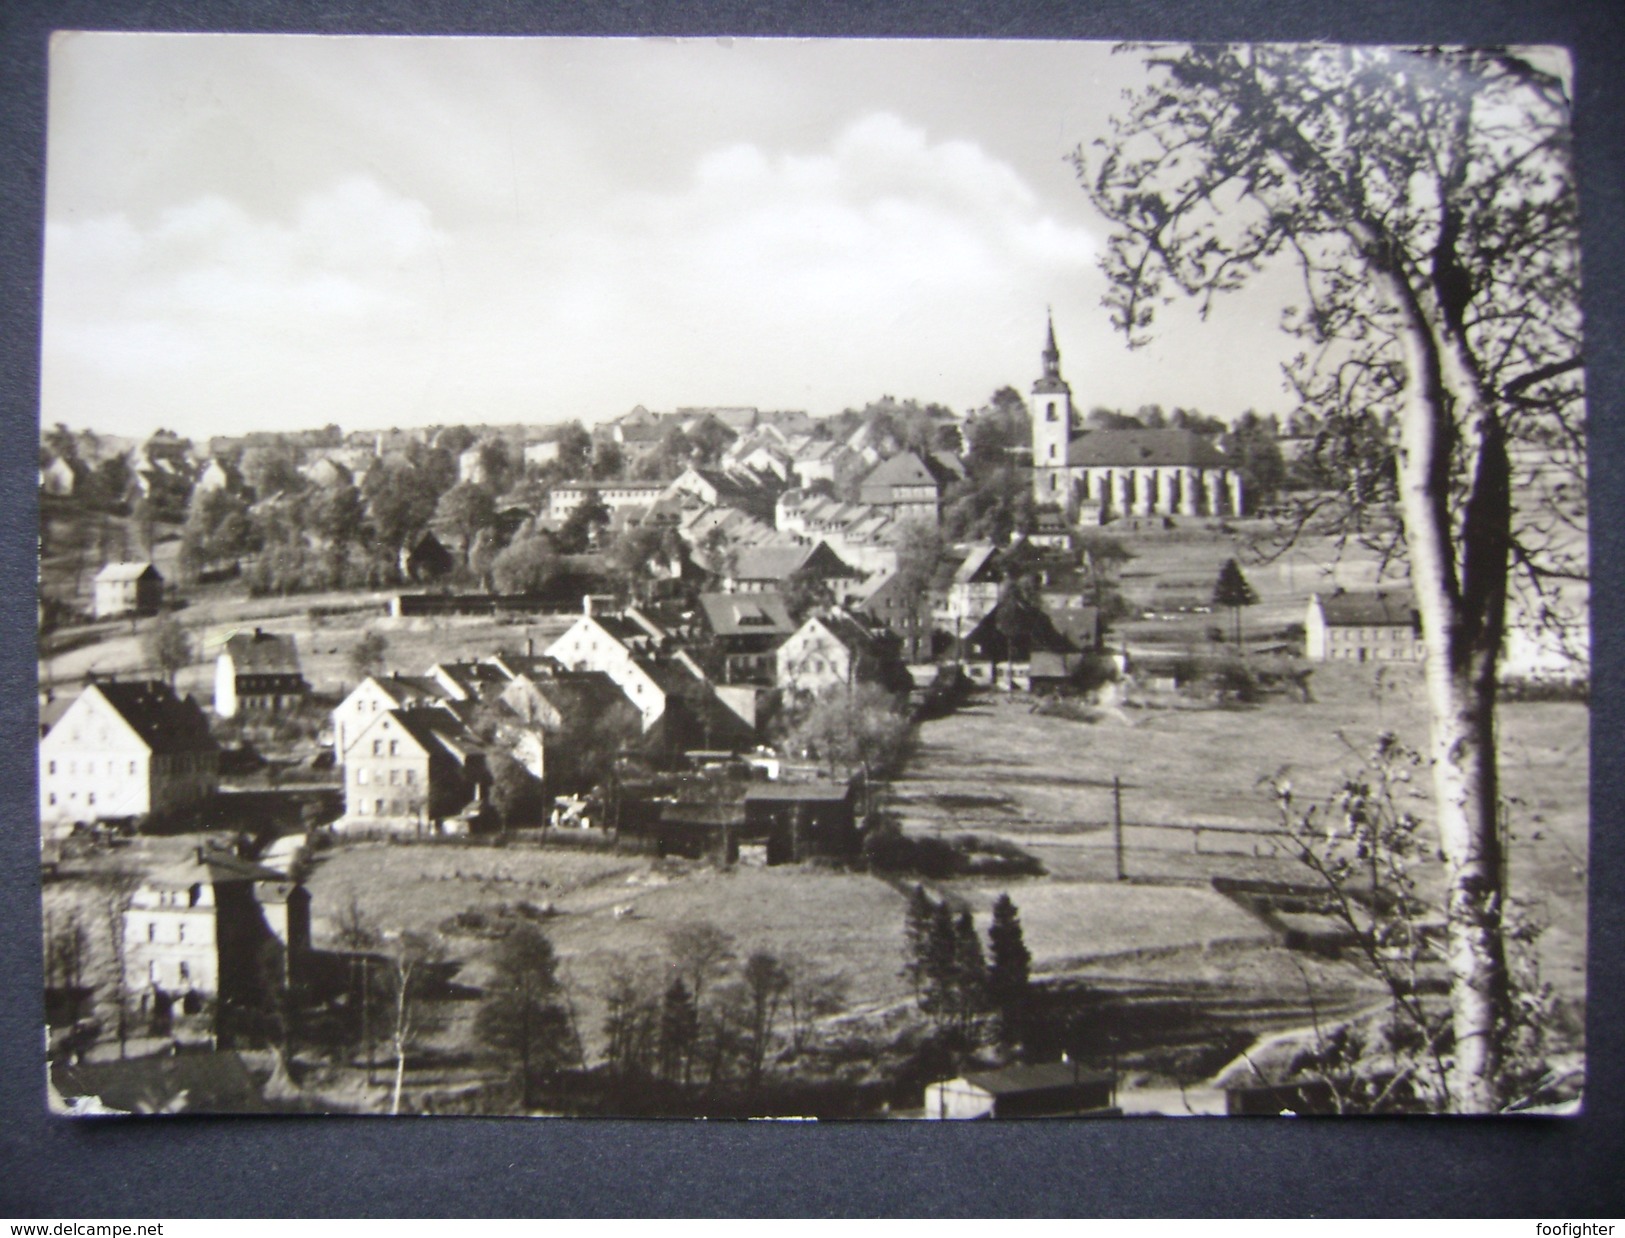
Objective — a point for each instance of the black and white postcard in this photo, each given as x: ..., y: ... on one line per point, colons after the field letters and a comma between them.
x: 811, y: 578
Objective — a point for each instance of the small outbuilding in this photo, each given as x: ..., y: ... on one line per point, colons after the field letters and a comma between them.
x: 800, y: 820
x: 1047, y: 1090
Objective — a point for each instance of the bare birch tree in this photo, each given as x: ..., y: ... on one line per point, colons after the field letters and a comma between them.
x: 1426, y: 199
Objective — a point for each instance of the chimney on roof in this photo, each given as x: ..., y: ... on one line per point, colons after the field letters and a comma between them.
x: 586, y: 603
x: 530, y: 646
x: 259, y: 633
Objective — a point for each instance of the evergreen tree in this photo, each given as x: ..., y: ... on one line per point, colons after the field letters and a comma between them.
x: 969, y: 973
x: 1009, y: 970
x: 1233, y: 591
x: 679, y: 1029
x: 523, y: 1017
x: 917, y: 935
x: 937, y: 993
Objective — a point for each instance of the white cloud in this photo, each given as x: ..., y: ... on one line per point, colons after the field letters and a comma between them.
x: 764, y: 277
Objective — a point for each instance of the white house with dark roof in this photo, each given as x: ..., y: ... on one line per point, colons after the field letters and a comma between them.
x: 201, y: 929
x: 128, y: 589
x: 130, y: 749
x: 839, y: 649
x: 618, y: 647
x: 769, y: 568
x: 258, y: 673
x: 379, y: 694
x: 907, y: 486
x: 410, y: 769
x: 745, y: 629
x: 1363, y: 627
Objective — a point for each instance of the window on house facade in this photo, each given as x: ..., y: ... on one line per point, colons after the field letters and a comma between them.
x: 377, y: 747
x: 394, y: 747
x: 361, y: 776
x: 152, y: 931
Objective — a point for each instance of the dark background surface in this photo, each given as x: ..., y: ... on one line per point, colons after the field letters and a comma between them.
x: 198, y: 1167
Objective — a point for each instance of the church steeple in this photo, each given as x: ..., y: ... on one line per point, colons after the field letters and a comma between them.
x: 1052, y: 354
x: 1051, y: 382
x: 1052, y: 424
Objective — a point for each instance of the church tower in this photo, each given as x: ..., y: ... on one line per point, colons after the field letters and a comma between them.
x: 1052, y: 427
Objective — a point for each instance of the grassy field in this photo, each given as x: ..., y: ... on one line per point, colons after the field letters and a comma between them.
x: 1044, y: 782
x: 837, y: 922
x: 1067, y: 924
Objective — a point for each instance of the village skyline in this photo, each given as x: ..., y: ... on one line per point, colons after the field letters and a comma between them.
x: 385, y: 233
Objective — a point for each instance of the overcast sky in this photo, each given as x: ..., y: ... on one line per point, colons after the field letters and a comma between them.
x: 271, y: 231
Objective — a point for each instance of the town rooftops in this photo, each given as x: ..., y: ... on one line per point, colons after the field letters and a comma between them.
x: 125, y: 571
x: 1039, y: 1078
x: 1368, y: 610
x: 263, y: 653
x: 164, y: 722
x: 1145, y: 449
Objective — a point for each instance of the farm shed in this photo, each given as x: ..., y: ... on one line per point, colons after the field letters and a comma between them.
x: 799, y: 820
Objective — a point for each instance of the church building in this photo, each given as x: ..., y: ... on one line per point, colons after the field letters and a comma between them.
x: 1103, y: 475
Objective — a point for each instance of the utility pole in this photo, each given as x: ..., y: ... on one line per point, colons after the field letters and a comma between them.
x: 1117, y: 823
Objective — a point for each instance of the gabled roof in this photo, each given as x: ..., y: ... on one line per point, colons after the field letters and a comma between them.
x: 409, y: 689
x: 127, y: 571
x: 780, y: 561
x: 473, y: 678
x: 1368, y: 610
x: 776, y: 562
x: 747, y: 614
x: 903, y: 469
x: 854, y: 633
x: 263, y: 653
x: 436, y: 729
x: 579, y: 695
x: 980, y: 556
x: 164, y: 722
x: 1145, y: 449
